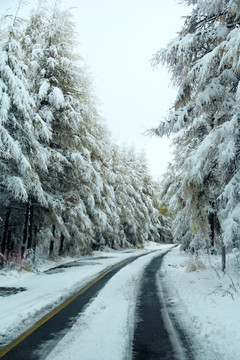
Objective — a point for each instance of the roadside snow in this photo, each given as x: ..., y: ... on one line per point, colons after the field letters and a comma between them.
x: 206, y: 302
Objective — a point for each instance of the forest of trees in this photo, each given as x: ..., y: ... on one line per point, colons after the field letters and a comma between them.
x: 65, y: 188
x: 202, y: 185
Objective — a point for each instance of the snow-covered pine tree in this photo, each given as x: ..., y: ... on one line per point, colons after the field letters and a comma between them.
x: 146, y: 198
x: 134, y: 193
x: 204, y: 62
x: 63, y: 101
x: 81, y: 200
x: 161, y: 203
x: 21, y: 154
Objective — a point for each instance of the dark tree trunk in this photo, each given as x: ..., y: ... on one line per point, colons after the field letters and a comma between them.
x: 26, y: 223
x: 53, y: 229
x: 30, y: 227
x: 212, y: 229
x: 61, y: 244
x: 9, y: 245
x: 5, y: 231
x: 34, y: 242
x: 9, y: 238
x: 223, y: 257
x: 51, y: 247
x: 22, y: 251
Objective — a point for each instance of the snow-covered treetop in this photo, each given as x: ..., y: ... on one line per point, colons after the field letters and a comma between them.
x: 205, y: 52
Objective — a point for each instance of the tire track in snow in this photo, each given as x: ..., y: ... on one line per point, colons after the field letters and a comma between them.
x: 157, y: 335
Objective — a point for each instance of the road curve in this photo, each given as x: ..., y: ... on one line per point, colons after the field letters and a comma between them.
x: 157, y: 335
x: 52, y: 327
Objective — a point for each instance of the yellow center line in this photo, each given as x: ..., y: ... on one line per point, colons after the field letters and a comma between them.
x: 48, y: 316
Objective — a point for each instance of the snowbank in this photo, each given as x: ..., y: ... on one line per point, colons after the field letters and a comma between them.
x: 207, y: 303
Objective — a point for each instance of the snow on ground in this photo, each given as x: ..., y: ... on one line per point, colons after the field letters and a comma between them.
x: 46, y: 290
x: 206, y: 301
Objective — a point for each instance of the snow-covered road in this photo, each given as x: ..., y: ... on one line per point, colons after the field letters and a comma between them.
x: 104, y: 331
x: 109, y: 319
x: 202, y: 300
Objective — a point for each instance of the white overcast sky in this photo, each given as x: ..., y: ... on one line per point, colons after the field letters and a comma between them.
x: 118, y: 38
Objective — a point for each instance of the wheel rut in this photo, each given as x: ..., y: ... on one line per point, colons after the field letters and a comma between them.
x: 157, y: 335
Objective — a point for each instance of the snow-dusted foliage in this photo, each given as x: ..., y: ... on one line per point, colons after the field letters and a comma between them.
x: 135, y: 197
x: 21, y: 153
x: 66, y: 189
x: 203, y: 59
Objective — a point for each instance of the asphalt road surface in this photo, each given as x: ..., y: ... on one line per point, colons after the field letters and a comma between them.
x: 157, y: 336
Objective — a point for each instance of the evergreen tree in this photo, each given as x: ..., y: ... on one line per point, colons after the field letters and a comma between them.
x: 21, y: 153
x: 73, y: 185
x: 134, y: 192
x: 204, y: 60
